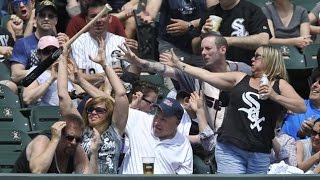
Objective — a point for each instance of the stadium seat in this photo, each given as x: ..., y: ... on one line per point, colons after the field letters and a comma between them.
x: 292, y: 56
x: 308, y: 4
x: 8, y: 98
x: 5, y: 71
x: 12, y: 143
x: 42, y: 117
x: 158, y: 81
x: 260, y: 3
x: 12, y: 118
x: 310, y: 52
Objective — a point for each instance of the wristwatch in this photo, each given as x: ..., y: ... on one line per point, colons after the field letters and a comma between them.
x: 190, y: 26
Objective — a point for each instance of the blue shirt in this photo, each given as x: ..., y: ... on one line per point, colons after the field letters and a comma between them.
x: 292, y: 122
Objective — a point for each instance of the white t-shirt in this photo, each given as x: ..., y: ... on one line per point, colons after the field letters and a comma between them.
x: 172, y: 156
x: 85, y: 46
x: 50, y: 97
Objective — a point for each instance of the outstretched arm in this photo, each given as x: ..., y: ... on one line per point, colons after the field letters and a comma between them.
x: 223, y: 81
x: 65, y: 102
x: 154, y: 67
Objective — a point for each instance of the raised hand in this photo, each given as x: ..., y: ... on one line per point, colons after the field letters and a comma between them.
x: 56, y: 129
x: 136, y: 100
x: 95, y: 141
x: 101, y: 56
x: 169, y: 58
x: 127, y: 55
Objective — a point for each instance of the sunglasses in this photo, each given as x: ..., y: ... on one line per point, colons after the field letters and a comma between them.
x: 146, y: 100
x: 314, y: 133
x: 17, y: 3
x: 48, y: 15
x: 47, y: 51
x: 71, y: 138
x: 98, y: 110
x: 257, y: 56
x: 316, y: 81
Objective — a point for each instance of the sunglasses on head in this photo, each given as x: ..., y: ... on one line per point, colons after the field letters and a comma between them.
x: 46, y: 15
x: 71, y: 138
x: 98, y: 110
x: 16, y: 3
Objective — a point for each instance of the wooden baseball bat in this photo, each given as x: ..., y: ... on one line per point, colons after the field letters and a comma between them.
x: 33, y: 75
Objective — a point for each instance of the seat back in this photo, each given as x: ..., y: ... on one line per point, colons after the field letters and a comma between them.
x: 260, y: 3
x: 12, y: 143
x: 310, y: 53
x: 292, y: 57
x: 159, y: 82
x: 8, y: 98
x: 309, y: 4
x: 5, y: 71
x: 43, y: 117
x: 12, y: 118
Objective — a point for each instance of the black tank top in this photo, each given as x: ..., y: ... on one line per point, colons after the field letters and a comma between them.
x: 249, y: 123
x: 22, y: 164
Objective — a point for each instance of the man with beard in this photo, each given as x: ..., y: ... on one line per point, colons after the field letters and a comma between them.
x: 59, y: 152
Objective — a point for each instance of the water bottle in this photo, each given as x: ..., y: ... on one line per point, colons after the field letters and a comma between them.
x: 264, y: 81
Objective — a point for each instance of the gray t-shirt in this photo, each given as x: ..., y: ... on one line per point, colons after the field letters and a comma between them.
x: 300, y: 15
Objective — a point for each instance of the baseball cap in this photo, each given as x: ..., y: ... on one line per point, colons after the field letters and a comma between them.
x: 46, y: 4
x: 46, y: 41
x: 170, y: 107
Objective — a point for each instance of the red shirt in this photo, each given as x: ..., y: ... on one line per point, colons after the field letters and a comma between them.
x: 79, y: 21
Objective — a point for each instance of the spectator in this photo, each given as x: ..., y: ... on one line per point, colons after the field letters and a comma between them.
x: 103, y: 113
x: 21, y: 23
x: 248, y: 127
x: 24, y: 54
x: 288, y: 23
x: 178, y: 24
x: 308, y: 150
x: 244, y: 30
x: 6, y: 44
x: 59, y: 152
x: 43, y: 91
x: 79, y: 21
x: 143, y: 95
x: 314, y: 21
x: 155, y: 134
x: 86, y: 45
x: 298, y: 125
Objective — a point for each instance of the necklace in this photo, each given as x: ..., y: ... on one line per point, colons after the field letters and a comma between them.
x: 56, y: 162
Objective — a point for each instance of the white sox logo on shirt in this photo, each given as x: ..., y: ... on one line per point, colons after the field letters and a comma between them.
x: 239, y: 29
x: 254, y: 110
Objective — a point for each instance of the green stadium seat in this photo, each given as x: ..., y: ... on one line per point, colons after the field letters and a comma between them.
x: 158, y: 81
x: 8, y: 98
x: 308, y: 4
x: 5, y: 71
x: 43, y: 117
x: 260, y: 3
x: 292, y: 56
x: 12, y: 143
x: 310, y: 52
x: 12, y: 118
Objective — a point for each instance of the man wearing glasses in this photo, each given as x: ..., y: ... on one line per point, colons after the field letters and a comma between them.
x: 24, y: 54
x: 59, y: 152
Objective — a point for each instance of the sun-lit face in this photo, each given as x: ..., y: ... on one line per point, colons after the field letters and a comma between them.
x: 147, y: 101
x: 22, y: 8
x: 97, y: 115
x: 46, y: 20
x: 314, y: 95
x: 257, y: 65
x: 70, y: 138
x: 210, y: 53
x: 165, y: 127
x: 100, y: 26
x: 315, y: 137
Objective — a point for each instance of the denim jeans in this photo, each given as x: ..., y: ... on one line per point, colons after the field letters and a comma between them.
x: 233, y: 160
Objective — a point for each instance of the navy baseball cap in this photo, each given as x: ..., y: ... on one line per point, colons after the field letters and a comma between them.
x: 170, y: 107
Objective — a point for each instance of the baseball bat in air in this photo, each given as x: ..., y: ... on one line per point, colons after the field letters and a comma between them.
x: 33, y: 75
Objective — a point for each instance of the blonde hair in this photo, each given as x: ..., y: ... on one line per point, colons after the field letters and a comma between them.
x: 108, y: 104
x: 274, y: 63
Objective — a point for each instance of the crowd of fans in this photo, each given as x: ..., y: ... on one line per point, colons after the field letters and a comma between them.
x: 212, y: 121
